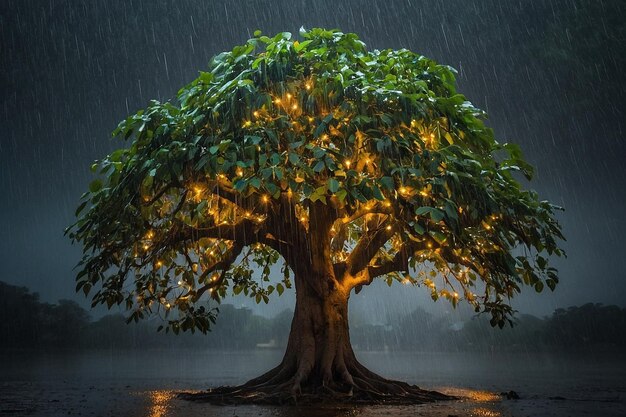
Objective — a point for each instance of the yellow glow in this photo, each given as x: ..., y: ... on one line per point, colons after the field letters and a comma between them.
x: 289, y: 95
x: 256, y: 114
x: 388, y: 227
x: 159, y: 264
x: 180, y: 282
x: 347, y: 162
x: 160, y: 403
x: 247, y: 123
x: 294, y: 107
x: 239, y: 172
x: 403, y: 190
x: 311, y: 119
x: 277, y: 101
x: 302, y: 219
x: 307, y: 86
x: 265, y: 198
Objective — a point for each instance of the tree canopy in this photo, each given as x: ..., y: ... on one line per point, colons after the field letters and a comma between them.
x: 235, y: 172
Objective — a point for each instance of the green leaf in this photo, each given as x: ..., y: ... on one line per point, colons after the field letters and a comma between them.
x: 95, y: 186
x: 333, y: 185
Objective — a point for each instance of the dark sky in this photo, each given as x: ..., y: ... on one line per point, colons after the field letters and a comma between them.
x: 550, y: 74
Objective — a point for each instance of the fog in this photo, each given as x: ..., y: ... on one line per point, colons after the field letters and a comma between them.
x: 549, y: 73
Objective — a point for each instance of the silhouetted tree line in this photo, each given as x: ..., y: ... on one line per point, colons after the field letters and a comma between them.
x: 26, y: 322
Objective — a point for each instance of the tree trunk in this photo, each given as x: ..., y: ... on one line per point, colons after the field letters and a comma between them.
x: 319, y: 342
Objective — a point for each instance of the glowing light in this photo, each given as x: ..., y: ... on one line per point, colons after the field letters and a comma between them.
x: 180, y: 282
x: 239, y: 172
x: 265, y: 199
x: 289, y: 96
x: 159, y: 264
x: 256, y: 114
x: 294, y: 107
x: 160, y: 403
x: 347, y: 163
x: 247, y: 123
x: 277, y: 101
x: 403, y: 190
x: 388, y: 227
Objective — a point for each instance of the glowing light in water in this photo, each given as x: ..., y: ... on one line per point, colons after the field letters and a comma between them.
x: 160, y: 403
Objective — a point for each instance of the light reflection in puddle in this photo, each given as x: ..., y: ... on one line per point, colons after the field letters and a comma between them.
x: 488, y: 398
x: 160, y: 402
x: 484, y: 412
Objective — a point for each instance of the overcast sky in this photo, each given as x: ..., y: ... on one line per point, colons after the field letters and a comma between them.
x: 70, y: 71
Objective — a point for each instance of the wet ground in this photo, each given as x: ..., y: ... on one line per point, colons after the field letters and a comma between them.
x: 145, y: 384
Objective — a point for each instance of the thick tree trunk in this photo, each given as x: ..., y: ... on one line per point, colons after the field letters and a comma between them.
x: 319, y: 348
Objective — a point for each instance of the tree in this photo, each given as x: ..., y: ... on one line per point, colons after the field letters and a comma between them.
x: 344, y: 164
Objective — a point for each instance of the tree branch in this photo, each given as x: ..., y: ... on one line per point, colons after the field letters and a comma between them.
x: 369, y: 244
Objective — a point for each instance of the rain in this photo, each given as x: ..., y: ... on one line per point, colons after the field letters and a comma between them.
x: 549, y: 74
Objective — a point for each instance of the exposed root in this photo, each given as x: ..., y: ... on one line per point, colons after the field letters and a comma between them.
x: 362, y: 387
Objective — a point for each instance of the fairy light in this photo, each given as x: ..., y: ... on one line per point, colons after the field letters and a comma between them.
x: 294, y: 107
x: 265, y: 199
x: 239, y: 172
x: 347, y: 162
x: 256, y: 114
x: 388, y: 227
x: 289, y: 96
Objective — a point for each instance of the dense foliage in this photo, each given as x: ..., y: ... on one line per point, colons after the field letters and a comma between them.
x: 419, y: 190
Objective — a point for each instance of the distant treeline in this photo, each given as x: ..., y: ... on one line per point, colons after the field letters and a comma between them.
x: 26, y: 322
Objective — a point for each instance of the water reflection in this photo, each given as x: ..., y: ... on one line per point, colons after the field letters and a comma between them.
x: 487, y: 399
x: 484, y: 412
x: 160, y: 403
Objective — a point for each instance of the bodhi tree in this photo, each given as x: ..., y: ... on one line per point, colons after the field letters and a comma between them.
x: 343, y: 165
